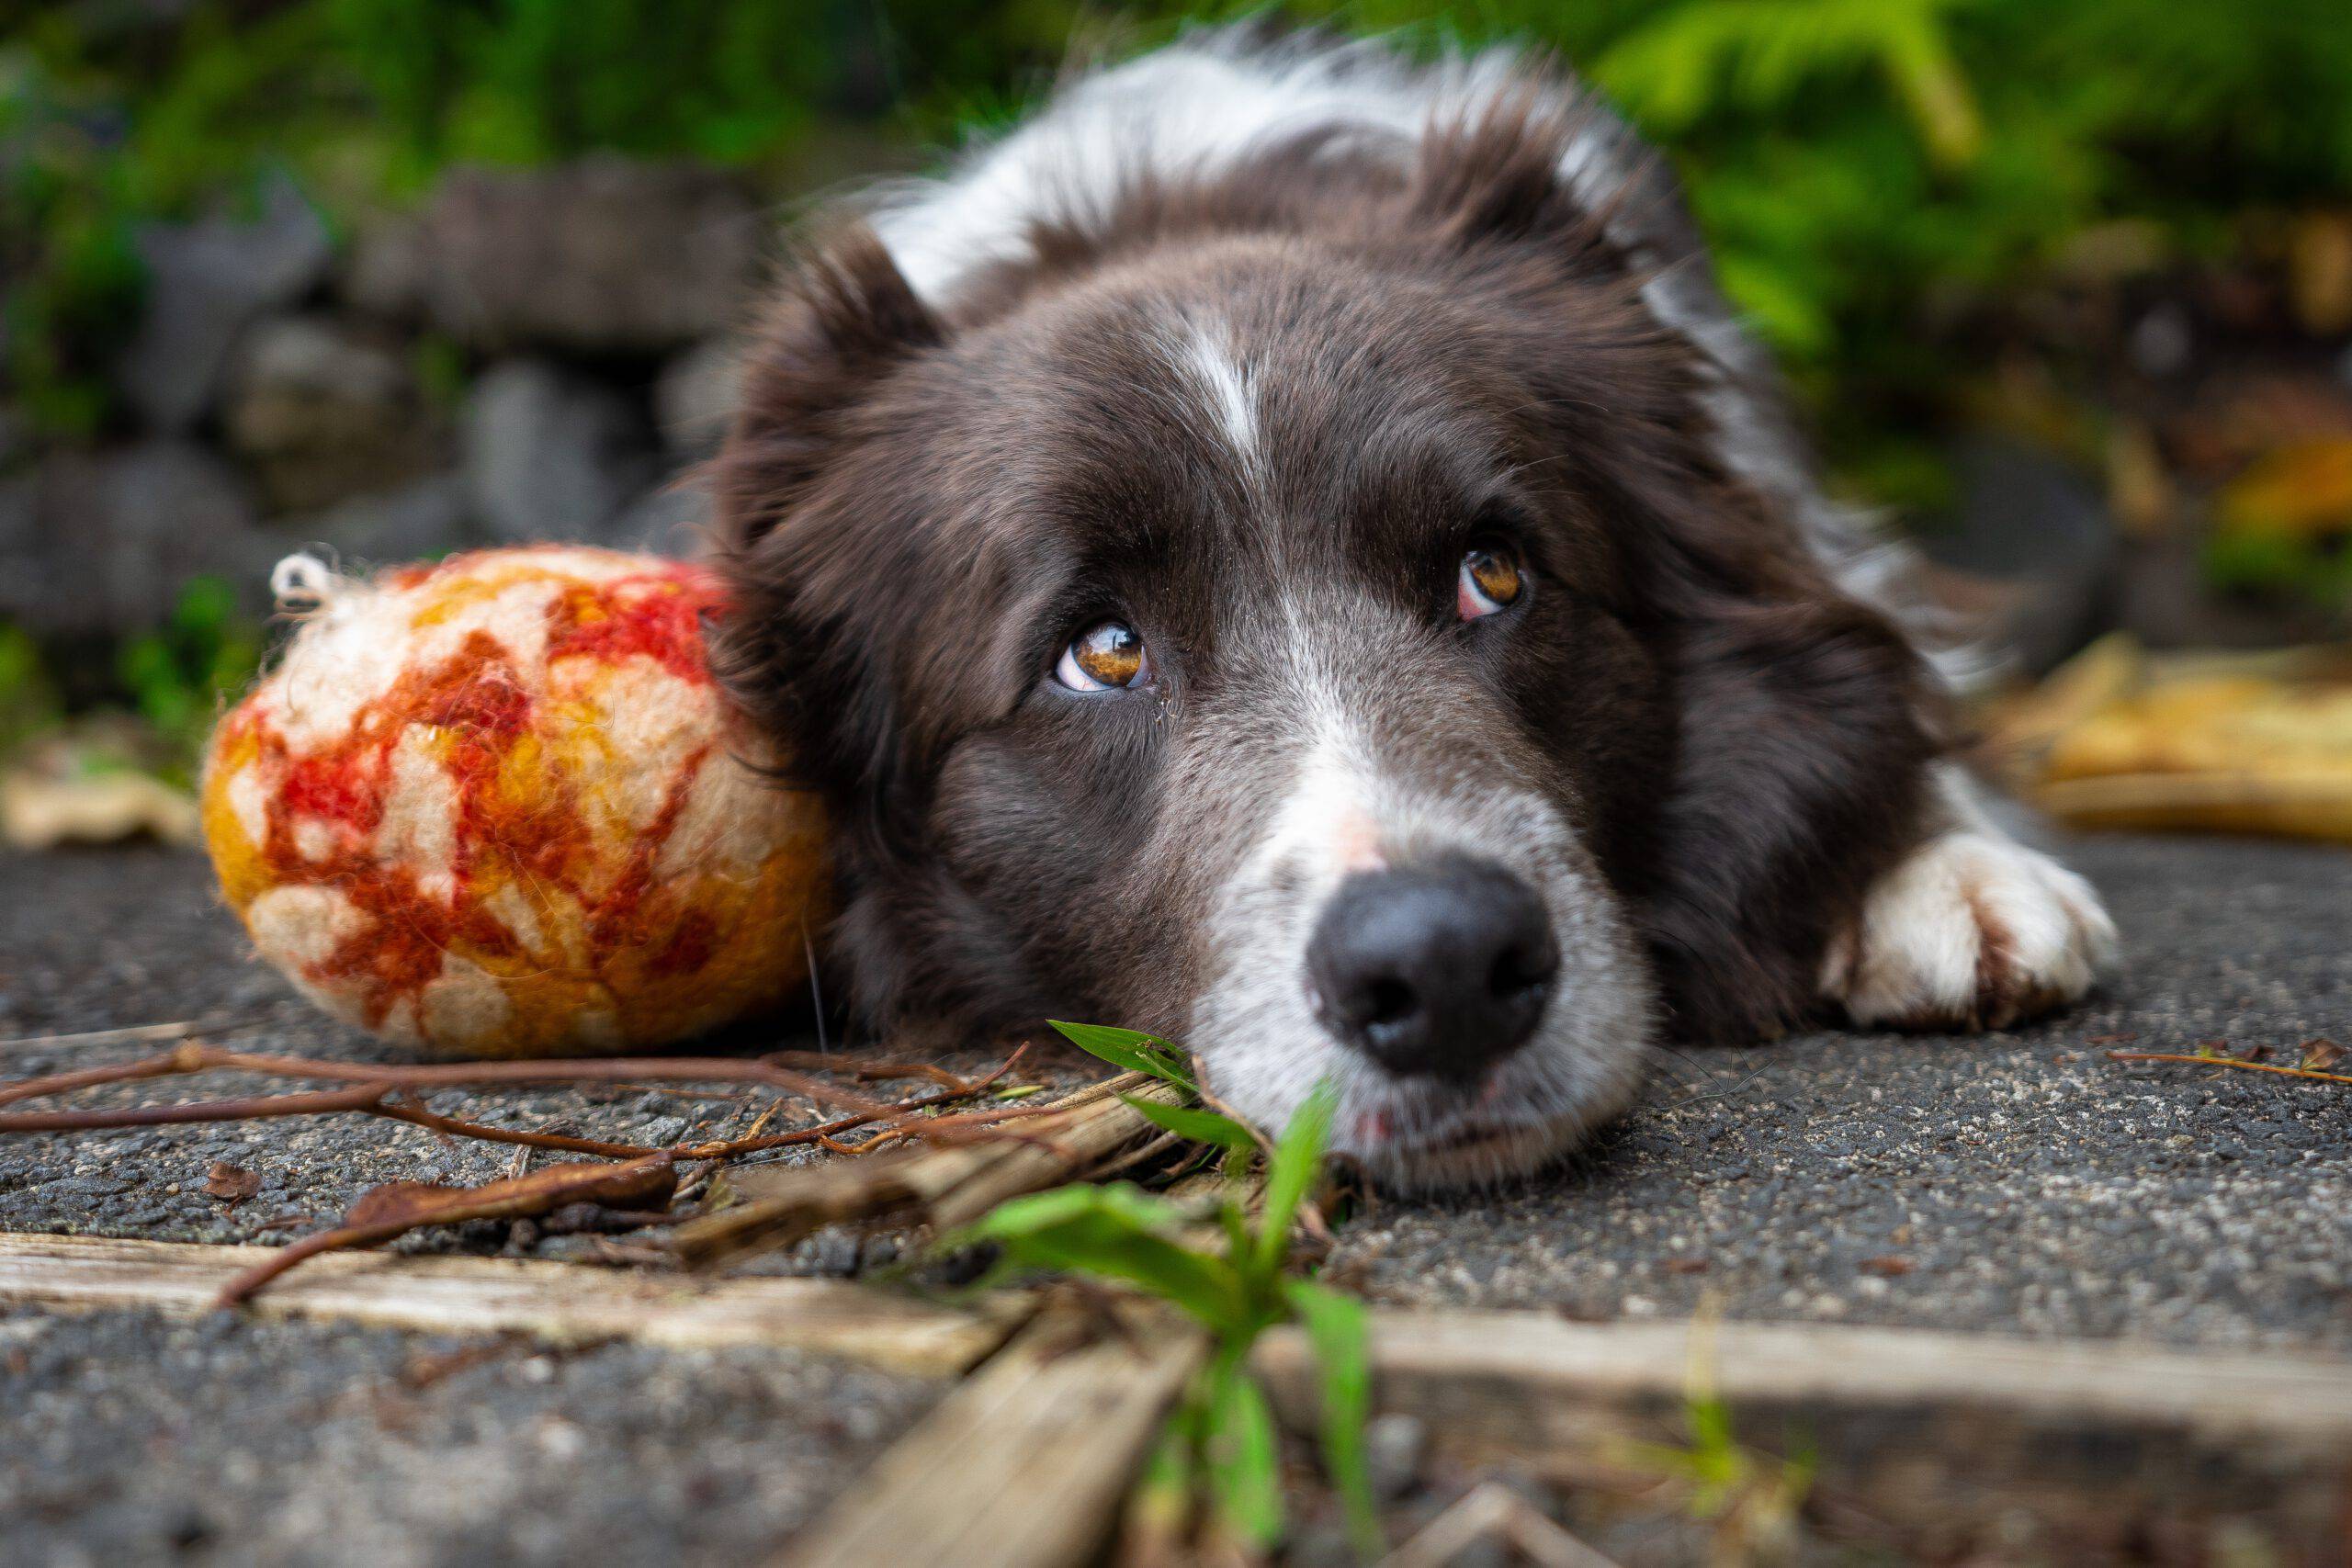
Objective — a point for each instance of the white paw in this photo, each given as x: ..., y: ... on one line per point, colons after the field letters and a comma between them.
x: 1972, y: 931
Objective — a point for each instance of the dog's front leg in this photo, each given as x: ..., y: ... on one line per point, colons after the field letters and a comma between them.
x: 1971, y: 929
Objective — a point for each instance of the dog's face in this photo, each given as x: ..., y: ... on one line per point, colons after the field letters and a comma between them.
x: 1288, y: 642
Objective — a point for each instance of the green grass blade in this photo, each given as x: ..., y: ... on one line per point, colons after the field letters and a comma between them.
x: 1244, y: 1463
x: 1298, y: 1159
x: 1116, y: 1231
x: 1338, y: 1330
x: 1199, y: 1126
x: 1130, y: 1049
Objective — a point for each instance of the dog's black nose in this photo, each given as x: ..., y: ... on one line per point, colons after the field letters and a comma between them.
x: 1440, y: 970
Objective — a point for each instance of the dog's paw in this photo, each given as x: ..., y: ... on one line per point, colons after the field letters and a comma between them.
x: 1972, y: 931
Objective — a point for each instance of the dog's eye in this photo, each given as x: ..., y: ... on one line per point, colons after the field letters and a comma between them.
x: 1489, y: 580
x: 1103, y: 656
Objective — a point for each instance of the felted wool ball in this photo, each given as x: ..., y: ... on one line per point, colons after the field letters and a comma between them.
x: 497, y: 806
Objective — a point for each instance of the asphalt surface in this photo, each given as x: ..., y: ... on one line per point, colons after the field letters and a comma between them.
x: 2016, y: 1183
x: 2021, y: 1182
x: 134, y: 1438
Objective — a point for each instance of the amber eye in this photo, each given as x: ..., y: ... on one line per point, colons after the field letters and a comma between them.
x: 1490, y: 580
x: 1107, y: 654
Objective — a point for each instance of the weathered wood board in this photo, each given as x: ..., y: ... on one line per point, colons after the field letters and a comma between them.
x: 1025, y: 1466
x: 563, y: 1302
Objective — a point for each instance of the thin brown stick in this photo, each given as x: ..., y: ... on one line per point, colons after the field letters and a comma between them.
x: 137, y: 1032
x: 360, y: 1096
x: 416, y: 1115
x: 953, y: 1127
x: 404, y: 1207
x: 90, y: 1077
x: 2226, y: 1062
x: 194, y: 1057
x: 863, y: 1071
x: 371, y: 1100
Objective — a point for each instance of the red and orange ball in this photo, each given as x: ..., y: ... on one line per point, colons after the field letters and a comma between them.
x: 497, y: 806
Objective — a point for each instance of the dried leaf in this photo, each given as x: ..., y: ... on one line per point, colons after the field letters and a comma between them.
x: 2211, y: 742
x: 1685, y: 1264
x: 233, y: 1184
x: 38, y: 813
x: 2300, y: 491
x: 2321, y: 1054
x: 1886, y: 1267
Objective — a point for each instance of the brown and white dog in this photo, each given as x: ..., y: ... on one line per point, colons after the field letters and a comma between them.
x: 1289, y: 550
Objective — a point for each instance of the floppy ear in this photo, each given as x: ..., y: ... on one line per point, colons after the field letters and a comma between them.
x: 843, y: 318
x: 1801, y: 740
x: 844, y: 321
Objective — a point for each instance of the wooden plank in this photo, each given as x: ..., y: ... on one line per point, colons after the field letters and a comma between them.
x: 1024, y: 1465
x: 1929, y: 1429
x: 561, y: 1302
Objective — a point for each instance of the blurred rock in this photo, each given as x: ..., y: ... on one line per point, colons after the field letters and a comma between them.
x: 106, y: 542
x: 671, y: 519
x: 1395, y: 1448
x: 320, y: 413
x: 603, y: 256
x: 207, y: 281
x: 427, y: 518
x: 695, y: 397
x: 384, y: 271
x: 549, y: 455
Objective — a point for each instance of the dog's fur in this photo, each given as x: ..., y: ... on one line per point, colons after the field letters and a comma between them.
x: 1243, y: 343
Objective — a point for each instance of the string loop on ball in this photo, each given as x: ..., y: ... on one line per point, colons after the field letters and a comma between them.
x: 302, y: 584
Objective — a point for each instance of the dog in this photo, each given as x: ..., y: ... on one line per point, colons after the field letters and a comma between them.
x: 1289, y: 550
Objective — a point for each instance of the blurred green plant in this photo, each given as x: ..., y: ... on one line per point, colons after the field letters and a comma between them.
x: 181, y: 675
x: 1860, y: 164
x: 28, y: 703
x: 1221, y: 1442
x: 1868, y: 171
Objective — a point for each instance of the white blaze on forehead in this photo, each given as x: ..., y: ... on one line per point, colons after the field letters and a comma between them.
x: 1223, y: 382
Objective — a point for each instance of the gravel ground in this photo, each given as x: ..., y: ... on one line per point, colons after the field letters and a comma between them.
x: 2016, y: 1183
x: 138, y: 1439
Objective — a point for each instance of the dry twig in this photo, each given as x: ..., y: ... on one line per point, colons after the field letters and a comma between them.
x: 396, y: 1208
x: 2219, y: 1061
x: 197, y: 1058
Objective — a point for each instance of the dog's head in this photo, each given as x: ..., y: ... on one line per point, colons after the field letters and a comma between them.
x: 1306, y: 622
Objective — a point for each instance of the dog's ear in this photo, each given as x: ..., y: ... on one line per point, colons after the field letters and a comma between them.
x: 844, y: 321
x: 1803, y: 736
x: 843, y: 318
x: 1504, y: 174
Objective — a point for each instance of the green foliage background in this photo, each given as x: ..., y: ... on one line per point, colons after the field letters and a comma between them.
x: 1867, y: 168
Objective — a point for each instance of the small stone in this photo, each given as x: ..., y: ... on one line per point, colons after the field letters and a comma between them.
x: 1394, y: 1449
x: 549, y: 455
x: 696, y: 395
x: 323, y: 414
